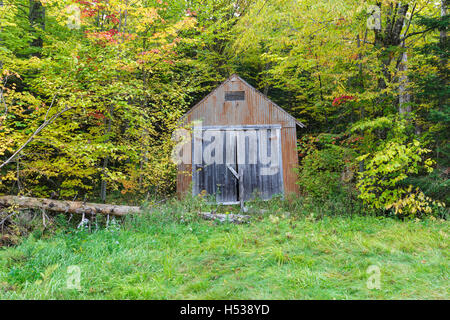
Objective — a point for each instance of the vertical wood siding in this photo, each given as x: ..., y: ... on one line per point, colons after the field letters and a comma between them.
x: 256, y: 109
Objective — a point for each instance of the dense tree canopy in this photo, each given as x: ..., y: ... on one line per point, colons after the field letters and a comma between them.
x: 91, y: 91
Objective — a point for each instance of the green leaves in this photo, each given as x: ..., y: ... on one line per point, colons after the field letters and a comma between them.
x: 324, y: 173
x: 380, y: 183
x: 119, y: 80
x: 129, y: 70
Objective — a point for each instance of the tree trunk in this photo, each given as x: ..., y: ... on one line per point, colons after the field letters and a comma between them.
x: 361, y: 74
x: 36, y: 17
x: 103, y: 184
x: 443, y: 32
x: 76, y: 207
x: 404, y: 97
x: 443, y: 70
x: 390, y: 36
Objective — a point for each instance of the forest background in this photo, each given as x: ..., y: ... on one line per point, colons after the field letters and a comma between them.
x: 91, y: 92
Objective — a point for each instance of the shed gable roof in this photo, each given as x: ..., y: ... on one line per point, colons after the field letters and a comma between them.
x: 233, y: 77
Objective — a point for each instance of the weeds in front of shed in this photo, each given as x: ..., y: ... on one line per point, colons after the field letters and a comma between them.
x: 277, y: 256
x: 292, y: 249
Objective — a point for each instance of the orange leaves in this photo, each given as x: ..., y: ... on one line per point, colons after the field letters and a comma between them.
x: 147, y: 17
x: 107, y: 36
x: 97, y: 115
x: 111, y: 36
x: 152, y: 51
x: 128, y: 186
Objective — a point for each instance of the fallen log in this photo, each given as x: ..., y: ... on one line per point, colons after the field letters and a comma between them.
x: 76, y: 207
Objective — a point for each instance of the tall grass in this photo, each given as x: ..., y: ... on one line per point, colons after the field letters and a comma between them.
x: 290, y: 250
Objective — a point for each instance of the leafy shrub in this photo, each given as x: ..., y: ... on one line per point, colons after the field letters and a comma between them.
x: 380, y: 184
x: 392, y: 159
x: 324, y: 172
x: 434, y: 185
x: 414, y: 202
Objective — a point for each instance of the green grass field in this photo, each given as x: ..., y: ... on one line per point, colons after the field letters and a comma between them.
x: 163, y: 255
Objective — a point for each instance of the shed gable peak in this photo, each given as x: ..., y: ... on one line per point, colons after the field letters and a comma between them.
x: 233, y: 78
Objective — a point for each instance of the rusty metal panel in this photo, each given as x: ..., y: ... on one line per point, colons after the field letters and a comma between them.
x: 290, y: 159
x: 256, y: 109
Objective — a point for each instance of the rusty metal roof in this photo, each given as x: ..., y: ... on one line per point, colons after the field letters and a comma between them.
x: 235, y: 76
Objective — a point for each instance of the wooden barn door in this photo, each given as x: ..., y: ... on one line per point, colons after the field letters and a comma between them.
x: 210, y: 173
x: 259, y: 160
x: 253, y: 151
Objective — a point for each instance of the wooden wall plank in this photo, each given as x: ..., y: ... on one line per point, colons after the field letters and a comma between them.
x: 254, y: 110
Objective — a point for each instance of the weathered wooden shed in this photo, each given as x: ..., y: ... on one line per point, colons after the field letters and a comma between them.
x: 238, y: 131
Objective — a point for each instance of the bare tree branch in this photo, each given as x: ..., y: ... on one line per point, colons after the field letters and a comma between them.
x: 416, y: 33
x: 46, y: 122
x: 31, y: 138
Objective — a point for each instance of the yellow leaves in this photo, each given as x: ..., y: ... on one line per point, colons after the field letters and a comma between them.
x: 147, y: 17
x: 428, y: 164
x: 9, y: 176
x: 274, y: 219
x: 173, y: 30
x: 126, y: 67
x: 385, y: 169
x: 413, y: 202
x: 6, y: 143
x: 203, y: 194
x: 186, y: 23
x: 363, y: 157
x: 7, y: 73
